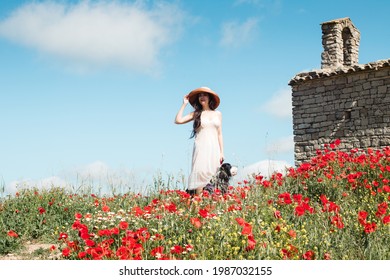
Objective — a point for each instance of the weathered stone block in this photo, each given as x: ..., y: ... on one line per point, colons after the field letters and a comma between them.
x: 382, y: 89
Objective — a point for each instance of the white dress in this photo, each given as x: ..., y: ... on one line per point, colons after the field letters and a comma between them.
x: 206, y: 152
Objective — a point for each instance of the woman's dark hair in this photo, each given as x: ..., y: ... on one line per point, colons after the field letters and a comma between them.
x: 198, y: 112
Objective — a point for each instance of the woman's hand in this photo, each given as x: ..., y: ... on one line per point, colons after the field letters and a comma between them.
x: 186, y: 100
x: 180, y: 119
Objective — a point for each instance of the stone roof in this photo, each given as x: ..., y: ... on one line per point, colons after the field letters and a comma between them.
x: 328, y: 72
x: 339, y: 20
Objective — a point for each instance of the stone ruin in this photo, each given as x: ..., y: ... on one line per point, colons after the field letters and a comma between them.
x: 344, y: 99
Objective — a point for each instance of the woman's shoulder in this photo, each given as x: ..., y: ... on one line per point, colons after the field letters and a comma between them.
x: 218, y: 114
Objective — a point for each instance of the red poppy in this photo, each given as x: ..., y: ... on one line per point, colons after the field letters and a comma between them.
x: 171, y: 207
x: 104, y: 232
x: 129, y: 241
x: 266, y: 184
x: 370, y: 227
x: 158, y: 236
x: 157, y: 252
x: 13, y: 234
x: 189, y: 247
x: 292, y: 233
x: 246, y: 227
x: 63, y: 236
x: 78, y: 216
x: 307, y: 207
x: 337, y: 221
x: 123, y: 253
x: 204, y: 213
x: 105, y: 208
x: 327, y: 256
x: 309, y: 255
x: 137, y: 211
x: 89, y: 243
x: 72, y: 245
x: 66, y: 252
x: 177, y: 249
x: 234, y: 207
x: 330, y: 206
x: 196, y: 222
x: 289, y: 252
x: 148, y: 209
x: 335, y: 143
x: 83, y: 233
x: 299, y: 210
x: 41, y: 210
x: 251, y: 243
x: 297, y: 198
x: 284, y: 198
x: 323, y: 199
x: 240, y: 221
x: 386, y: 219
x: 136, y: 250
x: 382, y: 208
x: 82, y: 255
x: 143, y: 234
x: 362, y: 216
x: 97, y: 253
x: 123, y: 225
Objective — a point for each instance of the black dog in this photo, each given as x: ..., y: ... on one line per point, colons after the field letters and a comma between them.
x: 221, y: 179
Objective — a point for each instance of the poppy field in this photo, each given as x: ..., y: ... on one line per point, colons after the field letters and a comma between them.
x: 334, y: 207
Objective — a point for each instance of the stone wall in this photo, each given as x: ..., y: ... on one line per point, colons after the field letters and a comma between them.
x: 349, y: 103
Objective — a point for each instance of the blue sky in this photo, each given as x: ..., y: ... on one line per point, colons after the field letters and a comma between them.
x: 89, y: 89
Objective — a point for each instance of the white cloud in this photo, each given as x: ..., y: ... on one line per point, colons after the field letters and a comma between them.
x: 45, y: 183
x: 96, y: 33
x: 280, y: 105
x: 273, y: 6
x: 250, y: 2
x: 95, y: 171
x: 263, y: 167
x: 95, y: 177
x: 235, y: 34
x: 280, y: 146
x: 101, y: 177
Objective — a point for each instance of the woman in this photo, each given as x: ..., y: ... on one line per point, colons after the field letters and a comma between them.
x: 207, y: 154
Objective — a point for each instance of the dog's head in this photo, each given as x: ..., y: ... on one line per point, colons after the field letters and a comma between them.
x: 226, y: 171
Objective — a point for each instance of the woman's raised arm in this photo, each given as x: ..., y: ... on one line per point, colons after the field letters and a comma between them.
x: 180, y: 119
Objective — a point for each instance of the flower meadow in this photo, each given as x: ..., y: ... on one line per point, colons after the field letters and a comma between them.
x: 334, y: 207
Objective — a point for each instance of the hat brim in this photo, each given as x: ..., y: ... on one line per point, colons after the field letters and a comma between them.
x: 193, y: 95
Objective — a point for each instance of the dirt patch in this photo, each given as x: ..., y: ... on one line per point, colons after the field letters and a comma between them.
x: 33, y: 251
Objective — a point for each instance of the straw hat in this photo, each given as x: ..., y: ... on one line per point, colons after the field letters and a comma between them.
x: 193, y: 95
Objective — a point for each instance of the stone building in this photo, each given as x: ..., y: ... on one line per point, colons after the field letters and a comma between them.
x: 342, y: 100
